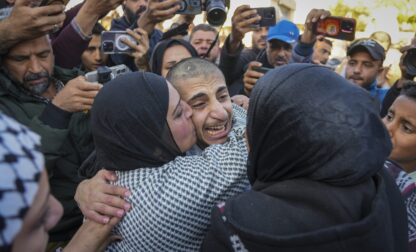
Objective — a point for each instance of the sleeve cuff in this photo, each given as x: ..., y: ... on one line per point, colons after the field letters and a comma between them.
x: 55, y: 117
x: 303, y: 49
x: 226, y: 48
x: 78, y: 30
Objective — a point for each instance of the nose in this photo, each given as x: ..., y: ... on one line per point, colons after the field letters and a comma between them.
x: 206, y: 45
x: 188, y: 110
x: 281, y: 52
x: 218, y: 111
x: 56, y: 212
x: 97, y: 55
x: 389, y: 126
x: 34, y: 65
x: 357, y: 69
x: 264, y: 32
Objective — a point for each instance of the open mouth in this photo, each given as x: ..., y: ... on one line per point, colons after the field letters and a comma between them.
x: 217, y: 131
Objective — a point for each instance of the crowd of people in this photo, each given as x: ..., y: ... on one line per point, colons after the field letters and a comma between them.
x: 200, y: 145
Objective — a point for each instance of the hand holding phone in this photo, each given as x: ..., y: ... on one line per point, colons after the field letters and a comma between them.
x: 112, y: 42
x: 336, y: 27
x: 262, y: 70
x: 253, y: 73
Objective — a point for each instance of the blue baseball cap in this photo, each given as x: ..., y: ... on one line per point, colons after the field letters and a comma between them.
x: 285, y: 31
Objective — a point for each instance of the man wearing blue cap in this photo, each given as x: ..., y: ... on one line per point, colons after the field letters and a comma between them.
x: 280, y: 50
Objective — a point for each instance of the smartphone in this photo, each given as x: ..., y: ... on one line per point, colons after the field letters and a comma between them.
x: 111, y: 42
x: 336, y: 27
x: 261, y: 69
x: 190, y: 7
x: 268, y: 16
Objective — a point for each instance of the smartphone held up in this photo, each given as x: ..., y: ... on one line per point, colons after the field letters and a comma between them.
x: 336, y: 27
x: 268, y: 16
x: 112, y: 42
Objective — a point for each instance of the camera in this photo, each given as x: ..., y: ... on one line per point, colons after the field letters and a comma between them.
x: 216, y: 10
x: 104, y: 74
x: 409, y: 61
x: 111, y: 42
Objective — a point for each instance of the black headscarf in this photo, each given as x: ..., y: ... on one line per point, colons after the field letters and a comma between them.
x: 306, y: 121
x: 128, y: 122
x: 156, y: 60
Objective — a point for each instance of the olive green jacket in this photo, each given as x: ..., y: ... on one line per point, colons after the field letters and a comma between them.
x: 64, y: 148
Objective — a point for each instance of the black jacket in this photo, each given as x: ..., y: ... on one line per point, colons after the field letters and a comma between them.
x: 233, y: 66
x: 251, y: 223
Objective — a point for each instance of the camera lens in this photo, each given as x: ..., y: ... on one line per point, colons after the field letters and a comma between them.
x: 409, y: 62
x: 216, y: 12
x: 108, y: 46
x: 104, y: 74
x: 183, y: 5
x: 347, y: 26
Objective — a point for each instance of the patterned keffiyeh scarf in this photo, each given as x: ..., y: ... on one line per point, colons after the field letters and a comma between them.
x: 407, y: 187
x: 21, y: 164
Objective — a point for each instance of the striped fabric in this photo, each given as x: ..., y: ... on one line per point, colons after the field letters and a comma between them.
x: 407, y: 187
x: 171, y: 205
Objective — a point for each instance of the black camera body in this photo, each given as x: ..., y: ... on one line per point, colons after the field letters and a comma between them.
x: 409, y: 61
x: 104, y: 74
x: 216, y: 10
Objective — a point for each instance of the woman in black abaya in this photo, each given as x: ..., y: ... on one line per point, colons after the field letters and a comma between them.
x: 317, y: 148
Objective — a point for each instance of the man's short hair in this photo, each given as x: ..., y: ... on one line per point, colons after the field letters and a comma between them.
x: 97, y: 29
x: 203, y: 27
x: 192, y: 68
x: 325, y: 40
x: 409, y: 89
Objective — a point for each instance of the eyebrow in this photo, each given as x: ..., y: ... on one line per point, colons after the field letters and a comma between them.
x: 171, y: 62
x: 14, y: 56
x: 197, y: 96
x: 44, y: 51
x: 410, y: 121
x: 221, y: 89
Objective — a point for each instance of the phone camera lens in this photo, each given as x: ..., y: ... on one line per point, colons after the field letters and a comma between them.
x: 183, y: 6
x: 108, y: 46
x: 347, y: 26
